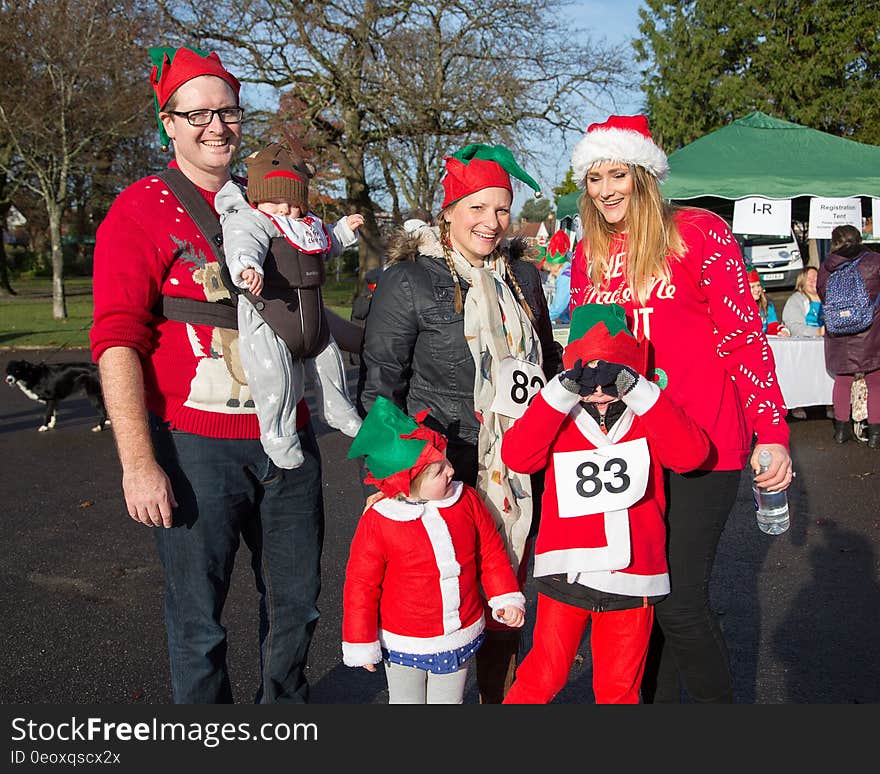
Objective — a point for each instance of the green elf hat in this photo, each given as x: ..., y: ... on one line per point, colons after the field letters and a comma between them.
x: 557, y: 250
x: 172, y: 67
x: 396, y: 447
x: 600, y: 332
x: 479, y: 166
x: 540, y: 256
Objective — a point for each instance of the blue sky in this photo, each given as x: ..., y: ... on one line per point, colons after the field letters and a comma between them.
x: 615, y: 23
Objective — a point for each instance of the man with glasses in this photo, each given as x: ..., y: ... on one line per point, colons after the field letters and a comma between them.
x: 204, y: 117
x: 185, y: 425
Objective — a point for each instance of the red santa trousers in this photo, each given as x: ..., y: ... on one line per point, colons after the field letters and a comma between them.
x: 618, y: 643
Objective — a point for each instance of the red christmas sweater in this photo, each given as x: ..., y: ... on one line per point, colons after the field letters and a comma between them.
x: 709, y: 352
x: 412, y: 583
x: 148, y: 245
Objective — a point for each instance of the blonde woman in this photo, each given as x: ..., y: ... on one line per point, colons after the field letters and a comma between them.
x: 681, y: 278
x: 456, y: 307
x: 802, y: 313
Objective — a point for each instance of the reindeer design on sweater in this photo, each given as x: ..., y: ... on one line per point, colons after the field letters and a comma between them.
x: 224, y: 341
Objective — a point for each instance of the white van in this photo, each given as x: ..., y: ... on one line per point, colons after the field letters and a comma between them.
x: 777, y: 258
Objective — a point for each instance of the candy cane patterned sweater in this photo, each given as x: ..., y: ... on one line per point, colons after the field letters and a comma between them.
x: 708, y: 351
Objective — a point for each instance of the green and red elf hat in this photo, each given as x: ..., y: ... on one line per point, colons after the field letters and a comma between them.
x: 752, y: 274
x: 557, y: 249
x: 172, y: 67
x: 600, y: 332
x: 479, y: 166
x: 540, y: 256
x: 396, y: 447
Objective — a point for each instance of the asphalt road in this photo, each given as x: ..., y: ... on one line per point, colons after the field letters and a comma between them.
x: 81, y: 600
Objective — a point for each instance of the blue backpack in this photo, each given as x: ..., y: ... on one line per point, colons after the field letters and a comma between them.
x: 847, y: 306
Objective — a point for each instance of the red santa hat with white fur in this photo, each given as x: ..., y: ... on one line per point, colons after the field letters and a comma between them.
x: 620, y: 138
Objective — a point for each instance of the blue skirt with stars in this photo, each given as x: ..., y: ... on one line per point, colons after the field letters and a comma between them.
x: 444, y: 663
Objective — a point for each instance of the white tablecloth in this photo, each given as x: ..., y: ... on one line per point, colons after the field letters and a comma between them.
x: 800, y: 367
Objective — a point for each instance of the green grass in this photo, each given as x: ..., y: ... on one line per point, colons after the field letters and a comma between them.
x: 26, y: 320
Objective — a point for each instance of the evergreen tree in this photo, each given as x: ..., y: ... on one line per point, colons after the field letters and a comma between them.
x: 813, y: 62
x: 567, y: 186
x: 536, y: 210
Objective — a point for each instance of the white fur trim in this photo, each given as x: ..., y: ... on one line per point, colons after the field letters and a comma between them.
x: 558, y: 397
x: 514, y: 599
x: 356, y: 654
x: 642, y: 397
x: 618, y: 145
x: 614, y: 555
x: 628, y: 583
x: 457, y: 488
x: 401, y: 510
x: 447, y: 564
x: 405, y: 643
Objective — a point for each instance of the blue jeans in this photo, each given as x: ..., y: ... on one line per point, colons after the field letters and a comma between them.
x: 228, y: 490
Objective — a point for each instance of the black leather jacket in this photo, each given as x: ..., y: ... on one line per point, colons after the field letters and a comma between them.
x: 414, y: 350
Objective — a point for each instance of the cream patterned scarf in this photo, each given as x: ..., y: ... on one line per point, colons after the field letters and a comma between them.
x: 496, y: 327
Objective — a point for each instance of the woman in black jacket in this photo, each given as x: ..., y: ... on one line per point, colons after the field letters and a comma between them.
x: 459, y: 327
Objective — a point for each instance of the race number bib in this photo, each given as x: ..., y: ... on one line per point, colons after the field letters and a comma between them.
x: 610, y: 478
x: 518, y: 382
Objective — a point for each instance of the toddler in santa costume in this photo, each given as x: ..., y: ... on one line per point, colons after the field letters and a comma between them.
x: 604, y: 433
x: 417, y: 561
x: 274, y: 219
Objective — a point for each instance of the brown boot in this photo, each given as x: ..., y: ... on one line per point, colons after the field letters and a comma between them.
x: 496, y: 664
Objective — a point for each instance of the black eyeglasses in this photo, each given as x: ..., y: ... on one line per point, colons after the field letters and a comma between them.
x: 232, y: 115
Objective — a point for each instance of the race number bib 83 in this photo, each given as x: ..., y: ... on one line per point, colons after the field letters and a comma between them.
x: 610, y: 478
x: 518, y: 383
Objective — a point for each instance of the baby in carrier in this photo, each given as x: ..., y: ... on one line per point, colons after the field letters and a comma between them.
x: 275, y: 252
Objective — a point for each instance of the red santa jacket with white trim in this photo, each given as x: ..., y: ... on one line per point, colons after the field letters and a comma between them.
x: 412, y: 582
x: 622, y: 551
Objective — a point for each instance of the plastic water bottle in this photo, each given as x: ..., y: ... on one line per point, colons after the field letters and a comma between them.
x: 771, y: 507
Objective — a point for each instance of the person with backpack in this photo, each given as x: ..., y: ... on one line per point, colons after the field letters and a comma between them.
x: 849, y: 286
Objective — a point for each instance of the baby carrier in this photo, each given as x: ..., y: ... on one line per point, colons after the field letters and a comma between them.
x: 291, y: 303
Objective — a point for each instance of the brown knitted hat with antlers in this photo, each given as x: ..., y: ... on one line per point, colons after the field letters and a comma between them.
x: 276, y: 172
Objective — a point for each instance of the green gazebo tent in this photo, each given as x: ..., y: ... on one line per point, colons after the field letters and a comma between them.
x: 567, y: 205
x: 758, y: 155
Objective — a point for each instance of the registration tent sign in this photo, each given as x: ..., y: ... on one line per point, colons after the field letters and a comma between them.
x: 828, y: 214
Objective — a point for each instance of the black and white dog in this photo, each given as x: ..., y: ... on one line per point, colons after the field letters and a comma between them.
x: 52, y: 383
